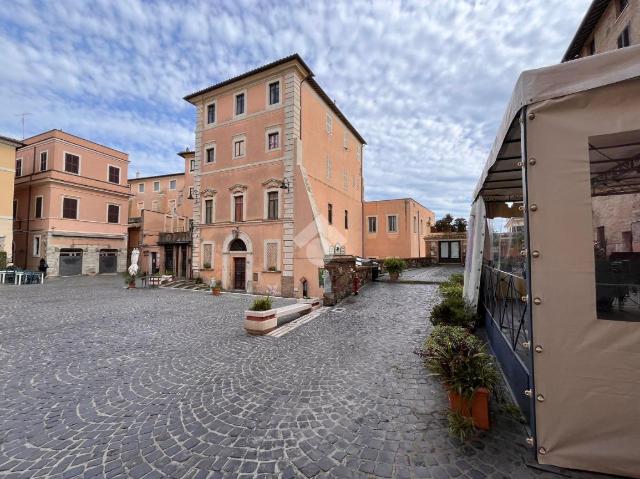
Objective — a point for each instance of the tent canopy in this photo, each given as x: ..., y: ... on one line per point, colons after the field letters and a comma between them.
x: 501, y: 178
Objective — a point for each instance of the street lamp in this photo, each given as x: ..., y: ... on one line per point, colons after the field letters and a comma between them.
x: 285, y: 185
x: 196, y: 194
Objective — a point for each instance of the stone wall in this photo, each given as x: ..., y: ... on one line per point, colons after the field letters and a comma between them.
x: 342, y: 270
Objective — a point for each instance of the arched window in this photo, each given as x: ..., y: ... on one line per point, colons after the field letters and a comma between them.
x: 237, y: 245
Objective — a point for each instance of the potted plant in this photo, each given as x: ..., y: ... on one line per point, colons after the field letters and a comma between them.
x: 467, y: 370
x: 394, y: 267
x: 129, y: 280
x: 216, y: 287
x: 260, y: 318
x: 206, y: 265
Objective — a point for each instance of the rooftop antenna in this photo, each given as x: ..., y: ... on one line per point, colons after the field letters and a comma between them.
x: 23, y: 115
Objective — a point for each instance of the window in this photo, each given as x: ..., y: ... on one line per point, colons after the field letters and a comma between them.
x: 72, y: 163
x: 238, y: 148
x: 192, y: 165
x: 329, y: 125
x: 70, y: 208
x: 240, y: 104
x: 172, y: 206
x: 238, y: 207
x: 207, y: 255
x: 330, y: 213
x: 15, y: 209
x: 38, y: 207
x: 44, y: 157
x: 415, y: 224
x: 140, y: 187
x: 592, y: 47
x: 156, y: 186
x: 622, y: 4
x: 113, y: 214
x: 271, y: 262
x: 274, y: 93
x: 346, y: 219
x: 172, y: 184
x: 373, y: 224
x: 211, y: 154
x: 329, y: 167
x: 114, y: 174
x: 211, y: 113
x: 36, y: 246
x: 19, y: 167
x: 272, y: 205
x: 208, y: 211
x: 155, y: 206
x: 623, y: 38
x: 392, y: 224
x: 274, y: 140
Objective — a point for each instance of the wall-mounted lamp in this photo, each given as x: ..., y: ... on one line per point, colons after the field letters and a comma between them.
x: 196, y: 194
x: 285, y: 185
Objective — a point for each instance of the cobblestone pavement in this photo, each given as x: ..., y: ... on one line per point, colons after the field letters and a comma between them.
x: 98, y: 381
x: 430, y: 274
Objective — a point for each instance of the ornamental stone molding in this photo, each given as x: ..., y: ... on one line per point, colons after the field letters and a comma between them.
x: 272, y: 183
x: 238, y: 188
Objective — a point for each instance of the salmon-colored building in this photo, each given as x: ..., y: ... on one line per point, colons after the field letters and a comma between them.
x: 394, y: 228
x: 277, y: 181
x: 7, y: 177
x: 70, y: 202
x: 160, y: 221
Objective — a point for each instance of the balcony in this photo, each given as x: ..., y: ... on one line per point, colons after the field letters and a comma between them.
x: 180, y: 237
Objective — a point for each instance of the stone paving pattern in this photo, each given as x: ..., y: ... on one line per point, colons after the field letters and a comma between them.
x: 431, y: 274
x: 98, y: 381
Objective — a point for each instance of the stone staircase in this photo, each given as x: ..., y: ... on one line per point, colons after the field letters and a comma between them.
x: 189, y: 284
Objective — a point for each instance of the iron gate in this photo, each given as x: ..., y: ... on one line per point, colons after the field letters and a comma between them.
x: 70, y: 262
x: 108, y: 261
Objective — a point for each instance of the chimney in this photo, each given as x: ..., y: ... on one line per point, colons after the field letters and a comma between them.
x: 137, y: 174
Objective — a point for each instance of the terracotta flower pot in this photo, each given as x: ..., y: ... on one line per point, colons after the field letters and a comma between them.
x: 394, y: 276
x: 132, y: 284
x: 476, y: 408
x: 215, y: 291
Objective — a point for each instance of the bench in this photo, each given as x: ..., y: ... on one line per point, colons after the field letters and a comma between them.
x: 151, y: 281
x: 286, y: 314
x: 263, y: 322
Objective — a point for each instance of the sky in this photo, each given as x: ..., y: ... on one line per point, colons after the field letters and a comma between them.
x: 424, y: 82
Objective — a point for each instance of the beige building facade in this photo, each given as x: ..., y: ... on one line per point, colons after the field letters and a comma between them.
x: 277, y: 181
x: 70, y: 202
x: 7, y: 175
x: 395, y: 228
x: 607, y: 25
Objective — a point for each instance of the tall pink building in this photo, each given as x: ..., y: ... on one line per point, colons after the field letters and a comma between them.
x: 277, y: 181
x: 70, y: 205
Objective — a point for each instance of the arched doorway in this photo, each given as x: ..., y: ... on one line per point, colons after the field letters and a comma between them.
x: 237, y: 252
x: 239, y: 264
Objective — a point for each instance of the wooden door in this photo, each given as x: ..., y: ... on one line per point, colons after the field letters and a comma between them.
x: 239, y: 273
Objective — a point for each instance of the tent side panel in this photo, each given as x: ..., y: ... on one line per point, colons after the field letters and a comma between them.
x: 587, y: 376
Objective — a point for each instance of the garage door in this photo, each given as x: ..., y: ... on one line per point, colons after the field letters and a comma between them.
x: 70, y: 262
x: 108, y: 261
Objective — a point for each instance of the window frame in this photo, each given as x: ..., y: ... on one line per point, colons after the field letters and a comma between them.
x: 192, y: 164
x: 35, y: 254
x: 619, y: 8
x: 397, y: 226
x: 175, y: 184
x: 245, y: 104
x: 204, y: 211
x: 235, y: 140
x: 109, y: 205
x: 266, y: 203
x: 278, y: 265
x: 18, y: 162
x: 109, y: 174
x: 141, y: 187
x: 213, y: 103
x: 242, y: 195
x: 209, y: 147
x: 156, y: 190
x: 35, y: 207
x: 346, y: 219
x: 46, y: 160
x: 330, y: 213
x: 77, y: 200
x: 329, y: 124
x: 213, y: 254
x: 375, y: 230
x: 270, y: 131
x: 64, y: 165
x: 155, y: 206
x: 625, y: 34
x: 329, y: 167
x: 268, y: 84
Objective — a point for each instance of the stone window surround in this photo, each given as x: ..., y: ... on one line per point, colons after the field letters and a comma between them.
x: 213, y: 254
x: 368, y: 229
x: 35, y: 205
x: 269, y: 130
x: 140, y: 187
x: 36, y: 253
x: 175, y: 185
x: 156, y: 190
x: 267, y: 86
x: 271, y: 186
x: 155, y: 206
x: 204, y: 210
x: 236, y: 138
x: 113, y: 204
x: 64, y: 163
x: 329, y: 124
x: 46, y: 160
x: 213, y: 101
x: 62, y: 206
x: 238, y: 190
x: 246, y: 103
x: 109, y: 174
x: 397, y: 230
x: 18, y: 161
x: 209, y: 145
x: 279, y: 254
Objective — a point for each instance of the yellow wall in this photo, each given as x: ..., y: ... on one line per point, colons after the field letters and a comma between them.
x: 7, y: 169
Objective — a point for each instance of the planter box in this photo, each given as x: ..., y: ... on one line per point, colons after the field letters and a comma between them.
x: 260, y: 322
x: 394, y: 276
x: 314, y: 302
x: 476, y: 408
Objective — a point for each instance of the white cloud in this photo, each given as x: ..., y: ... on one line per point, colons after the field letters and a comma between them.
x: 424, y: 82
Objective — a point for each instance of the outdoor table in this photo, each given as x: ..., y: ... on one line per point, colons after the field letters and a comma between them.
x: 2, y: 275
x: 18, y: 277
